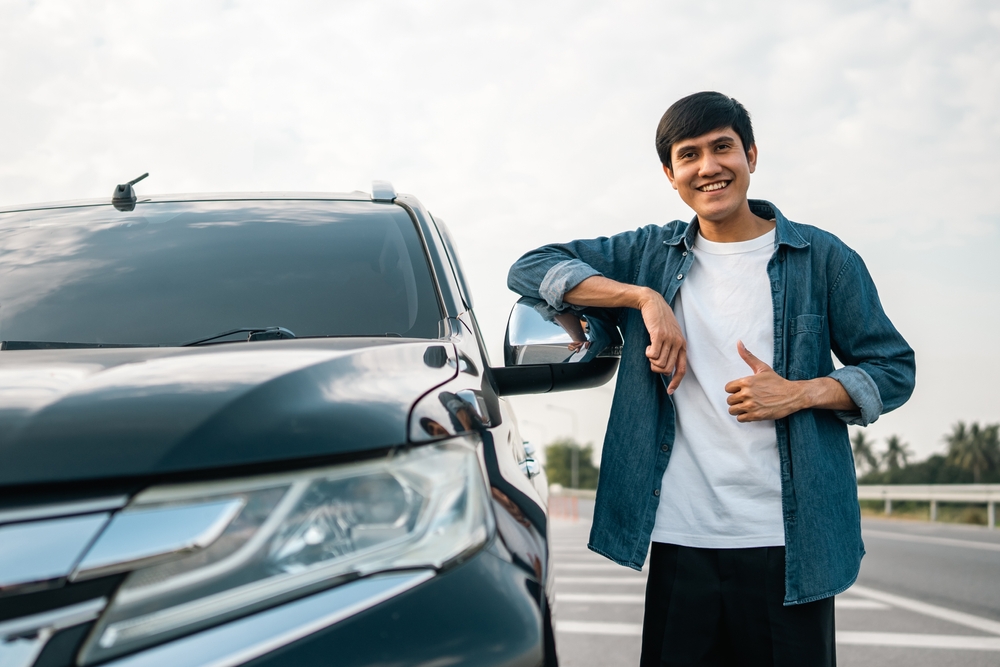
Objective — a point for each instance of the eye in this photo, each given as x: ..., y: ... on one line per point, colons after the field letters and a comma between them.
x: 723, y: 147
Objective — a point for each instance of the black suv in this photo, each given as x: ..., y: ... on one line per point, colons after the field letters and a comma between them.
x: 264, y: 429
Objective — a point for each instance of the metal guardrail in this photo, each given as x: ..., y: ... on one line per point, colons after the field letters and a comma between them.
x: 987, y: 494
x: 563, y: 501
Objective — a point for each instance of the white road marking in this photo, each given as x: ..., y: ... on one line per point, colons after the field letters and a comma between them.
x: 601, y: 598
x: 902, y: 639
x: 961, y: 618
x: 927, y: 539
x: 581, y: 627
x: 597, y: 598
x: 860, y: 604
x: 898, y: 639
x: 600, y: 580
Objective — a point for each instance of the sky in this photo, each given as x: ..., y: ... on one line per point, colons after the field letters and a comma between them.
x: 522, y: 123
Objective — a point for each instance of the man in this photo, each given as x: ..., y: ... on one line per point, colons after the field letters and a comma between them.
x: 727, y: 443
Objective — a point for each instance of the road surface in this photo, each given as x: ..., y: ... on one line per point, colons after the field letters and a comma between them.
x: 928, y: 596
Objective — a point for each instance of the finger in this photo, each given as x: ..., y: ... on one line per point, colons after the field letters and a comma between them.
x: 658, y: 353
x: 670, y: 358
x: 753, y: 362
x: 679, y: 372
x: 655, y: 348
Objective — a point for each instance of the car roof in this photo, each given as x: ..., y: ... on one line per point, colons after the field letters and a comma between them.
x: 357, y: 195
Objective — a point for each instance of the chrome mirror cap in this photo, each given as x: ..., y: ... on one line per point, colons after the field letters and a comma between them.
x: 536, y: 334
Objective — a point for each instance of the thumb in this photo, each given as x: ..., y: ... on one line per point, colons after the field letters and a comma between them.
x: 755, y: 364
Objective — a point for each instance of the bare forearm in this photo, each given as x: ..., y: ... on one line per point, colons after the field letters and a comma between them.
x: 606, y: 293
x: 766, y: 395
x: 825, y: 394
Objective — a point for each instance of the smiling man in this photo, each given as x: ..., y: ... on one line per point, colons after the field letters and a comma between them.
x: 727, y: 444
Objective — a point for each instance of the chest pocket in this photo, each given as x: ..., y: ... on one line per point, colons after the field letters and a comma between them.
x: 806, y: 335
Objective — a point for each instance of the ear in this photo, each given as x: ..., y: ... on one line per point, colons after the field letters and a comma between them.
x: 752, y: 157
x: 670, y: 175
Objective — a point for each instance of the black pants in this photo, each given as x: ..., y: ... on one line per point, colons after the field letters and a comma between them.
x: 720, y: 607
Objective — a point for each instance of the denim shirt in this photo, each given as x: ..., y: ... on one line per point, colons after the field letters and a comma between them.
x: 824, y: 301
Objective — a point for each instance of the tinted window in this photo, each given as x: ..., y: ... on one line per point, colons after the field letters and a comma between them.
x: 167, y: 273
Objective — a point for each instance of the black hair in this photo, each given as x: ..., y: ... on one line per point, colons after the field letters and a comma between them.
x: 697, y: 114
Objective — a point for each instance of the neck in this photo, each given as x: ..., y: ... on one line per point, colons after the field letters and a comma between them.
x: 740, y: 225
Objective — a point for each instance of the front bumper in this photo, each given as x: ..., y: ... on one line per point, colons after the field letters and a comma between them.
x: 482, y: 612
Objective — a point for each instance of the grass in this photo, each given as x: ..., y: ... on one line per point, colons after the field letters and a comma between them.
x: 913, y: 510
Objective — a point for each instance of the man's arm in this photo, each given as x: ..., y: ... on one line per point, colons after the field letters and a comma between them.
x: 878, y: 373
x: 766, y: 395
x: 667, y: 350
x: 600, y: 272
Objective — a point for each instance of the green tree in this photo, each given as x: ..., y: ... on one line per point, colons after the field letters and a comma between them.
x: 559, y: 464
x: 864, y: 454
x: 974, y: 448
x: 897, y: 453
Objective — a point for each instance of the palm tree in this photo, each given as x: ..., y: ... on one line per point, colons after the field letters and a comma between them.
x: 864, y: 456
x: 896, y: 453
x: 974, y: 448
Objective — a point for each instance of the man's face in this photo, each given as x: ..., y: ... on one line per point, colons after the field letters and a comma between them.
x: 712, y: 173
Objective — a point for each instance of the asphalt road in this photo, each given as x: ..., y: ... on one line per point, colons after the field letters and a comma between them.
x: 928, y: 596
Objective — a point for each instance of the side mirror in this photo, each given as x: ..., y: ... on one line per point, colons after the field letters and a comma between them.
x: 547, y: 351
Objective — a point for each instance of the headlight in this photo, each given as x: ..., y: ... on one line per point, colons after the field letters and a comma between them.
x: 298, y: 533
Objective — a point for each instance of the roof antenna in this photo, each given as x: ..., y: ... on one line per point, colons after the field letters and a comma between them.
x: 123, y: 198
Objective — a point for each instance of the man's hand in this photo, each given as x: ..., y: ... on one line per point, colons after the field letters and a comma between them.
x: 667, y: 351
x: 763, y: 395
x: 766, y: 395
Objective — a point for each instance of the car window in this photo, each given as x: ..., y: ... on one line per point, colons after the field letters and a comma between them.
x: 168, y: 273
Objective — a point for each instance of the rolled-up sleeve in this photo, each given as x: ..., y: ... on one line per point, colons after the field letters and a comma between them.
x: 879, y: 371
x: 551, y: 271
x: 562, y: 278
x: 863, y: 391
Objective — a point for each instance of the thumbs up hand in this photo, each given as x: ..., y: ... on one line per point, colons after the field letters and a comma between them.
x: 763, y: 395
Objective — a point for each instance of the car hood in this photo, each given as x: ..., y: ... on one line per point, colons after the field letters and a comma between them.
x: 73, y: 415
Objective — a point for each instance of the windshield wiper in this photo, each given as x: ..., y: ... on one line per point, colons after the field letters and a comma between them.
x: 253, y: 333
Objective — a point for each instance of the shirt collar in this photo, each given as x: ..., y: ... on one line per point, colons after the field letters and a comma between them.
x: 785, y: 232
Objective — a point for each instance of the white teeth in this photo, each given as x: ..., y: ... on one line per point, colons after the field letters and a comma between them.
x: 714, y: 186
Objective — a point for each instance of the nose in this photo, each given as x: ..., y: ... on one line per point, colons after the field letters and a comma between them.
x: 708, y: 165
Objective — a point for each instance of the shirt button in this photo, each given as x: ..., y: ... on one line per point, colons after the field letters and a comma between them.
x: 656, y: 492
x: 684, y: 254
x: 680, y: 276
x: 664, y: 448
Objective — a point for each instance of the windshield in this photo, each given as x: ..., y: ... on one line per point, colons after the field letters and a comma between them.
x: 170, y: 273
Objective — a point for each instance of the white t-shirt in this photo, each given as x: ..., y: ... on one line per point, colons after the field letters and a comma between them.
x: 722, y: 487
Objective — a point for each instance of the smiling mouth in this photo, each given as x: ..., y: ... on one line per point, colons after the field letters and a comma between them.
x: 712, y: 187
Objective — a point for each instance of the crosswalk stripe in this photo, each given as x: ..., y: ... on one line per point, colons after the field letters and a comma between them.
x: 582, y: 627
x: 897, y: 639
x: 600, y: 580
x: 599, y: 598
x: 908, y: 640
x: 602, y: 598
x: 860, y: 604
